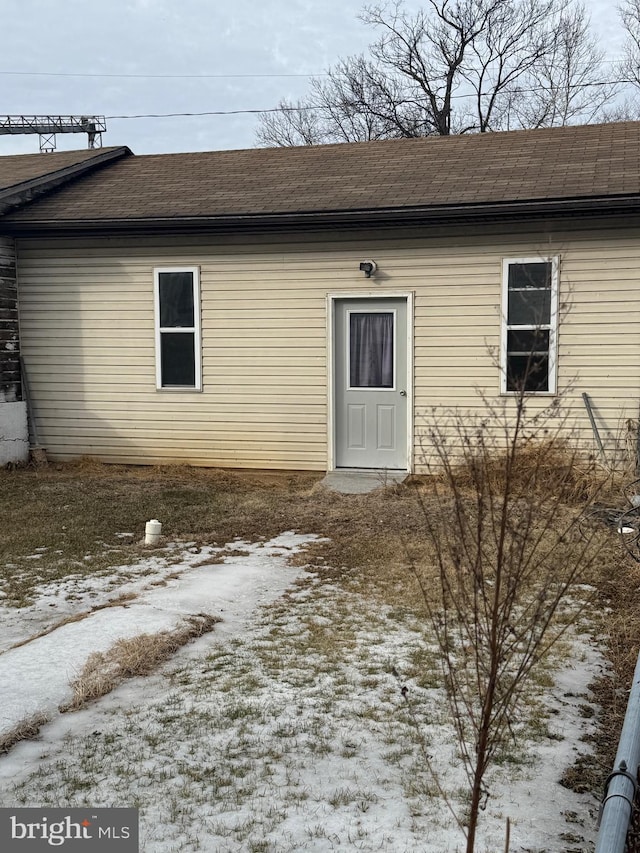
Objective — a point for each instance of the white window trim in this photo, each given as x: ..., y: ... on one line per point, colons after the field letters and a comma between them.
x: 196, y: 328
x: 552, y: 326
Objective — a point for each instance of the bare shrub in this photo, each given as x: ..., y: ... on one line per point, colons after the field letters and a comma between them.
x: 501, y: 514
x: 131, y: 657
x: 549, y: 464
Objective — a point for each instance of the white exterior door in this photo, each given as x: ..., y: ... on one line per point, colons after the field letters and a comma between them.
x: 370, y: 383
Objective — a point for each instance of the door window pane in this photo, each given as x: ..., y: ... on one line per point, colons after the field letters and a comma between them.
x: 371, y: 350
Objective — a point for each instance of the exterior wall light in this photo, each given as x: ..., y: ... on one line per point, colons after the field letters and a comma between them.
x: 368, y: 268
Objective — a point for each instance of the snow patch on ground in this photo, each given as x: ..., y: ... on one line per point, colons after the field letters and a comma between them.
x: 278, y: 733
x: 36, y: 676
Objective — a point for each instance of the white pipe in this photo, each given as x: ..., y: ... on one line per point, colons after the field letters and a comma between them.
x: 152, y: 532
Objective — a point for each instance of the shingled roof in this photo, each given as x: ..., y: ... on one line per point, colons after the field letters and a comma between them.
x: 585, y: 168
x: 24, y: 177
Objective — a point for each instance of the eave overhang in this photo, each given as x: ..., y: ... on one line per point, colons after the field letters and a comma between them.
x: 417, y: 216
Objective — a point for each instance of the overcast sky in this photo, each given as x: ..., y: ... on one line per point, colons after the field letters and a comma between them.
x: 225, y: 39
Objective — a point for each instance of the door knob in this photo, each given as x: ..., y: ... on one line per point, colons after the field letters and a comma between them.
x: 403, y: 393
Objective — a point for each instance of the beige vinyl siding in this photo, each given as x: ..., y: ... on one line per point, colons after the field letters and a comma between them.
x: 87, y: 327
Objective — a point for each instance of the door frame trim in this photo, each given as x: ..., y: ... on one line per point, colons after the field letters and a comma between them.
x: 332, y: 298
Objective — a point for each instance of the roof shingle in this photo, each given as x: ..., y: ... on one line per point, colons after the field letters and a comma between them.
x: 581, y: 162
x: 16, y: 169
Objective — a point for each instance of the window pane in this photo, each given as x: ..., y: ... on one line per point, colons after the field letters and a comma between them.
x: 527, y: 372
x: 178, y: 359
x: 176, y: 299
x: 524, y: 342
x: 371, y: 350
x: 529, y: 308
x: 537, y: 275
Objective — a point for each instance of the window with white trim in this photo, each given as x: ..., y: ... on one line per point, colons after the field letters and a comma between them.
x: 177, y: 317
x: 529, y: 325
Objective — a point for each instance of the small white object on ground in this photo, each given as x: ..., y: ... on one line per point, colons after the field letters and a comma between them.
x: 152, y: 532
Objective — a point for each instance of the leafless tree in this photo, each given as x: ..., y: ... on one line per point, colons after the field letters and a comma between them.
x: 562, y: 87
x: 357, y: 101
x: 452, y: 67
x: 630, y: 65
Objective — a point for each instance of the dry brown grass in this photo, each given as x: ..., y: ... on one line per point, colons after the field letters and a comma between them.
x: 547, y: 465
x: 370, y: 538
x: 619, y: 587
x: 128, y: 658
x: 25, y: 730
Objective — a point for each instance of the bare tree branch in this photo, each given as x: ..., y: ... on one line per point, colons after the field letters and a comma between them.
x: 454, y: 67
x: 630, y: 16
x: 562, y: 86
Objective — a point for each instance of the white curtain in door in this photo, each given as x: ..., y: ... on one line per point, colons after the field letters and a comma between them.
x: 371, y: 350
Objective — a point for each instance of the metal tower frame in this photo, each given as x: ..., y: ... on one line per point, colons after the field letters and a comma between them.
x: 48, y: 126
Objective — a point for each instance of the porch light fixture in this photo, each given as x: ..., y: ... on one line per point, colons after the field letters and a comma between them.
x: 368, y: 268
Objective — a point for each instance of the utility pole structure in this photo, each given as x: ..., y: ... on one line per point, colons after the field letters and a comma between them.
x: 48, y: 126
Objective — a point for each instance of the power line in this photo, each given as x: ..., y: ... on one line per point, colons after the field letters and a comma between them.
x: 215, y: 113
x: 154, y: 76
x: 316, y: 107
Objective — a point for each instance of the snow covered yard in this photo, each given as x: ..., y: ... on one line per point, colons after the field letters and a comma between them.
x: 282, y: 724
x: 283, y: 729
